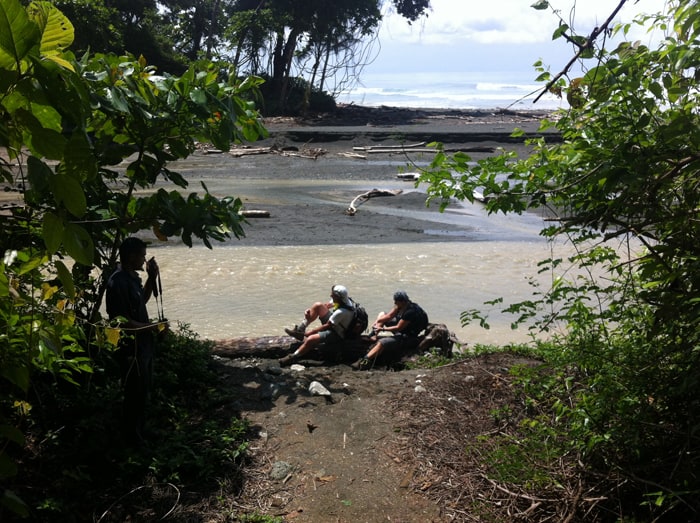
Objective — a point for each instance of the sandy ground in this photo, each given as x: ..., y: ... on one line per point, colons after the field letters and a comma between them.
x: 315, y: 151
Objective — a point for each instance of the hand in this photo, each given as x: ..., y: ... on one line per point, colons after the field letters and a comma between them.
x: 152, y: 268
x: 162, y: 328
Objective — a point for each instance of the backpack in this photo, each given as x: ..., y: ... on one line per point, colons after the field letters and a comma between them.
x: 421, y: 320
x: 359, y: 322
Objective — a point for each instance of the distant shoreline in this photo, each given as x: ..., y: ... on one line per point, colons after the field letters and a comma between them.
x: 353, y: 114
x: 402, y: 124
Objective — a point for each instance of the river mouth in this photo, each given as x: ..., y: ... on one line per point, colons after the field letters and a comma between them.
x: 237, y: 291
x: 257, y: 285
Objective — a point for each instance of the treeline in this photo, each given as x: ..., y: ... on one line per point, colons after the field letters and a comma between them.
x: 308, y: 52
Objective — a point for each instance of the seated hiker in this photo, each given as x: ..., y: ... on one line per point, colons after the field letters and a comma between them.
x: 335, y: 317
x: 404, y: 322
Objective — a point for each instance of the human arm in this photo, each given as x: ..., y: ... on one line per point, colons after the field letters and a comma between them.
x: 401, y: 326
x: 384, y: 318
x: 126, y: 302
x: 323, y: 327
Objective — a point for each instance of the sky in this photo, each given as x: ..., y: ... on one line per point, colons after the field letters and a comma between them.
x: 491, y: 35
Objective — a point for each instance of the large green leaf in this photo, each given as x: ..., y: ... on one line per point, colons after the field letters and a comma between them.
x: 67, y: 190
x: 66, y: 279
x: 79, y: 160
x: 57, y: 32
x: 40, y: 140
x: 18, y: 34
x: 78, y: 244
x: 52, y: 232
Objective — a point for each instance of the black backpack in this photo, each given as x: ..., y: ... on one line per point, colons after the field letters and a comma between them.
x: 359, y: 323
x: 421, y: 320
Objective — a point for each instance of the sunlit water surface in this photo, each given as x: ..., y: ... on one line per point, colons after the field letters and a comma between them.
x: 254, y: 291
x: 243, y: 290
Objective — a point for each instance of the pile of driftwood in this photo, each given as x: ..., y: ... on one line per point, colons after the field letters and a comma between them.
x: 359, y: 152
x: 305, y: 152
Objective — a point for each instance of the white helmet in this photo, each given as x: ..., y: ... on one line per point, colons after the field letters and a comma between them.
x: 341, y: 292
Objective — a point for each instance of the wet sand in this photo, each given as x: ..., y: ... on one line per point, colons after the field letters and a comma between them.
x: 313, y: 172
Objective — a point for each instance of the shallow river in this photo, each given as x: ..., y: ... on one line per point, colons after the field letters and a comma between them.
x: 240, y: 290
x: 249, y: 291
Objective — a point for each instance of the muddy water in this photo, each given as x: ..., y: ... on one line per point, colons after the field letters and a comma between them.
x: 249, y: 291
x: 258, y: 287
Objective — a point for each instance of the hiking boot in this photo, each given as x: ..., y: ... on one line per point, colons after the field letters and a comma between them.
x: 362, y: 364
x: 296, y: 333
x: 287, y: 360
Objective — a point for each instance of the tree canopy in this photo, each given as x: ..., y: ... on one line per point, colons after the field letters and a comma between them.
x: 81, y: 140
x: 281, y: 40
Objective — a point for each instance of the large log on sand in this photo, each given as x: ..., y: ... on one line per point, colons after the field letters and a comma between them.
x: 436, y: 335
x: 260, y: 347
x: 278, y: 346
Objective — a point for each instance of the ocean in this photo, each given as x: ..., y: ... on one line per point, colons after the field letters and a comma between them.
x: 488, y: 90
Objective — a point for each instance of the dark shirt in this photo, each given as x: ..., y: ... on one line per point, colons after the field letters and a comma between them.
x: 416, y: 318
x: 126, y: 297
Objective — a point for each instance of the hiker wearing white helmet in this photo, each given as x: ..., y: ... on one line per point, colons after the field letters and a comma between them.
x: 335, y: 317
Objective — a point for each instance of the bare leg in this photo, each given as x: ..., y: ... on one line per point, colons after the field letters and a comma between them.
x: 317, y: 310
x: 374, y: 351
x: 309, y: 343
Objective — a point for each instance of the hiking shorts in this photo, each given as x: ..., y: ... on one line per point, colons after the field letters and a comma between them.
x: 398, y: 342
x: 330, y: 337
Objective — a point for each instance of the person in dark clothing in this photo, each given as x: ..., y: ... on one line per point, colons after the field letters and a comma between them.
x: 126, y: 299
x: 405, y: 321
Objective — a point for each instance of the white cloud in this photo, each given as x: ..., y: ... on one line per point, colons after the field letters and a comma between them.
x: 504, y: 21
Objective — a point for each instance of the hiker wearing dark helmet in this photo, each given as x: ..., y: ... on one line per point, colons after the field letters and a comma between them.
x: 405, y: 321
x: 335, y: 317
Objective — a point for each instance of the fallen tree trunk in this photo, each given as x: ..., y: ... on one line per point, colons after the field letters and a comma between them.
x: 278, y: 346
x: 260, y: 347
x: 254, y: 213
x: 436, y: 335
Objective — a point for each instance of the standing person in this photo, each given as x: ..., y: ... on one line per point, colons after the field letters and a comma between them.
x: 405, y: 321
x: 335, y: 317
x: 126, y: 301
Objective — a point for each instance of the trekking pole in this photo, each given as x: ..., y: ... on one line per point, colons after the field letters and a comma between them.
x: 159, y: 299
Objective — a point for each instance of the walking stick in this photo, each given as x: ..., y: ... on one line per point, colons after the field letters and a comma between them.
x: 159, y: 300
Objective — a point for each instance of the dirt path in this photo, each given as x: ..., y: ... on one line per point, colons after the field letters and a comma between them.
x: 326, y: 458
x: 351, y: 456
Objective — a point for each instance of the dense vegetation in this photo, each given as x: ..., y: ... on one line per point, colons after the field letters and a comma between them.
x: 66, y: 125
x: 620, y: 397
x: 623, y: 395
x: 303, y: 49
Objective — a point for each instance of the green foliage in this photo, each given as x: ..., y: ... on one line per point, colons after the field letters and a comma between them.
x: 86, y: 142
x: 79, y: 464
x: 622, y: 310
x: 295, y: 102
x: 257, y: 518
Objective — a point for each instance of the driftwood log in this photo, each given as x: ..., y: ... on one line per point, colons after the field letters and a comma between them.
x: 362, y: 198
x: 278, y: 346
x: 435, y: 336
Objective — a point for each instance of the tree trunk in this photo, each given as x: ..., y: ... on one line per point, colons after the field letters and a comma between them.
x: 278, y: 346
